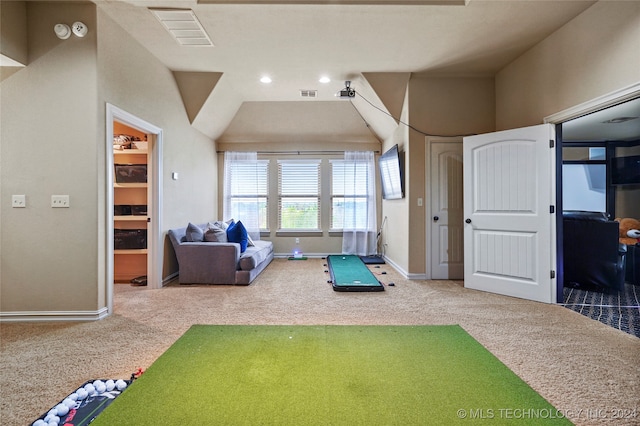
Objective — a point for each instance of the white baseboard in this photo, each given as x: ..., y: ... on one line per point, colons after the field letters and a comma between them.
x: 312, y: 255
x: 404, y: 273
x: 54, y: 315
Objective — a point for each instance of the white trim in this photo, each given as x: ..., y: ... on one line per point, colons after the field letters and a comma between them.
x: 601, y: 102
x: 154, y: 263
x: 54, y: 315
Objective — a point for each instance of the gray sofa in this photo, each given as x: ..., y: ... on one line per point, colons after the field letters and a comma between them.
x: 218, y: 262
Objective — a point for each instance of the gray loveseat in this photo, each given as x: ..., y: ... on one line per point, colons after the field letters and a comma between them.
x: 218, y: 262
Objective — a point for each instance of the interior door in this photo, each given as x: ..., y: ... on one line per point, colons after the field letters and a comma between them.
x: 509, y: 230
x: 446, y: 251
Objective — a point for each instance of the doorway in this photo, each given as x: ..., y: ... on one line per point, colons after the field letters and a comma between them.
x: 444, y: 216
x: 148, y: 155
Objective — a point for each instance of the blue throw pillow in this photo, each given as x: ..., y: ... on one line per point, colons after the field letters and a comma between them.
x: 237, y: 233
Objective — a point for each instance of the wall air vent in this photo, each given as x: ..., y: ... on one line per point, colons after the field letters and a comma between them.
x: 183, y: 25
x: 308, y: 93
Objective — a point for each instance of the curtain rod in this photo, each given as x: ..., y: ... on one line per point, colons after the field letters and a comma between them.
x: 298, y: 152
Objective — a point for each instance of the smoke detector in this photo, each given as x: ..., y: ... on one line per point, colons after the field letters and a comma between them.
x: 79, y: 29
x: 62, y: 31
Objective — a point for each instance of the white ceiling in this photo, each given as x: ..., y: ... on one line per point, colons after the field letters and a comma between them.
x: 295, y: 42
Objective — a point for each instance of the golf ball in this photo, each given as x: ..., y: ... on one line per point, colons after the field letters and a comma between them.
x: 62, y: 409
x: 39, y: 422
x: 69, y: 402
x: 73, y: 396
x: 101, y: 387
x: 82, y: 393
x: 121, y: 384
x: 110, y: 384
x: 52, y: 419
x: 89, y: 388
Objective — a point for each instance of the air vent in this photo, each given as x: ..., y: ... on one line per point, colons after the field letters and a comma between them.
x: 183, y: 25
x: 619, y: 120
x: 308, y: 93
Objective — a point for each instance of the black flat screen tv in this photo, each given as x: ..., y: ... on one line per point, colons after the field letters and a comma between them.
x: 625, y: 170
x: 390, y: 164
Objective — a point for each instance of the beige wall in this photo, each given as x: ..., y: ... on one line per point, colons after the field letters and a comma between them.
x: 132, y: 79
x: 594, y: 54
x: 13, y: 31
x: 442, y: 106
x: 48, y: 146
x: 53, y: 142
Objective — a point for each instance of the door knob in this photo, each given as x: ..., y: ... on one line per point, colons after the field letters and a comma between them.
x: 468, y: 221
x: 436, y: 218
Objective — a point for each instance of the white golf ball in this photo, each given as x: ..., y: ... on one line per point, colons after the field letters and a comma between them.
x: 69, y: 402
x: 62, y: 409
x: 39, y: 422
x: 82, y: 393
x: 52, y: 412
x: 52, y: 419
x: 121, y: 384
x: 110, y: 384
x: 73, y: 396
x: 89, y: 388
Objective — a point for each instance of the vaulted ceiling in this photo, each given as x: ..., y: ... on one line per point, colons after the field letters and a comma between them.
x: 375, y: 44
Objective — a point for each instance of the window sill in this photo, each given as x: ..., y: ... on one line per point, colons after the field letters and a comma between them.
x: 300, y: 233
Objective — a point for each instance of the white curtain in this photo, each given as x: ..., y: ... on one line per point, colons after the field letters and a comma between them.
x: 359, y: 225
x: 241, y: 186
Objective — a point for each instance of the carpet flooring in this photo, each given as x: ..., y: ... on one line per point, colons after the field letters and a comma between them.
x: 620, y: 310
x: 587, y: 369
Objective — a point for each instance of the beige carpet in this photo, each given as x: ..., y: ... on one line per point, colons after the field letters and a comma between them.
x: 584, y: 368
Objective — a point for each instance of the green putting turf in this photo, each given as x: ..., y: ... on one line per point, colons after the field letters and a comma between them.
x: 349, y: 273
x: 328, y: 375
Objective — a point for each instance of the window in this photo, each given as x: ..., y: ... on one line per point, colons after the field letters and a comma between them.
x: 246, y: 192
x: 350, y: 191
x: 584, y: 178
x: 299, y: 194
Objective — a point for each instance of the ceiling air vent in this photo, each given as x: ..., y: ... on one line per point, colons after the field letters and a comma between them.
x: 183, y: 25
x: 308, y: 93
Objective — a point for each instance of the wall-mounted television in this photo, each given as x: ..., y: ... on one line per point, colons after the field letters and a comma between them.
x: 391, y: 174
x: 625, y: 170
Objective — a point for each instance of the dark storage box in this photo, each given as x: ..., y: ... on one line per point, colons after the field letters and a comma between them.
x: 122, y: 210
x: 140, y: 210
x: 131, y: 173
x: 128, y: 210
x: 124, y: 239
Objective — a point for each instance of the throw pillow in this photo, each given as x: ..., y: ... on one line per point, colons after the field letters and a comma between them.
x: 215, y: 233
x: 194, y: 233
x: 236, y: 233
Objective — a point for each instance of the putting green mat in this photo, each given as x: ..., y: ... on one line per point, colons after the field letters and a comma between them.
x: 349, y: 273
x: 328, y: 375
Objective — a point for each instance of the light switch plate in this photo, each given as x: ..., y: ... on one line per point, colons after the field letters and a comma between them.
x: 18, y: 201
x: 60, y: 201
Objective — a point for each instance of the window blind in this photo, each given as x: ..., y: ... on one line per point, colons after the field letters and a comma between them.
x: 299, y: 194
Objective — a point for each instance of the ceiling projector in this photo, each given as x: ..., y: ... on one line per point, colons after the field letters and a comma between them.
x: 347, y: 92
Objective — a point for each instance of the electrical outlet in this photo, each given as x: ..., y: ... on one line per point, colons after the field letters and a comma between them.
x: 18, y: 201
x: 60, y: 201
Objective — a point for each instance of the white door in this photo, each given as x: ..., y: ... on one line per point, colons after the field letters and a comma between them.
x: 509, y: 230
x: 446, y: 231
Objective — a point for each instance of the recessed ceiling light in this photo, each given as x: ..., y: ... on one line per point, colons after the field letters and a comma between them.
x: 265, y: 79
x: 324, y: 79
